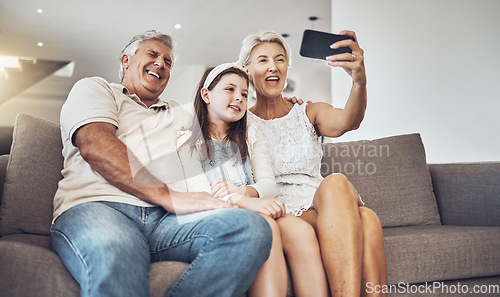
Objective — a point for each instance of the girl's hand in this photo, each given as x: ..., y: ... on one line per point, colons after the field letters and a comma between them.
x: 271, y: 207
x: 353, y: 63
x: 221, y: 188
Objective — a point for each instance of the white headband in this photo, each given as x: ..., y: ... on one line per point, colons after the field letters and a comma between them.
x: 218, y: 70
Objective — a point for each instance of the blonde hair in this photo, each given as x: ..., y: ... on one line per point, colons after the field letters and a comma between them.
x: 252, y: 40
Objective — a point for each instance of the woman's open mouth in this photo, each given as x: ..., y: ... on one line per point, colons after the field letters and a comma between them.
x: 274, y: 80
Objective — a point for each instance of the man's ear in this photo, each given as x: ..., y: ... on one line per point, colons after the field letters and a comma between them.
x: 125, y: 61
x: 204, y: 95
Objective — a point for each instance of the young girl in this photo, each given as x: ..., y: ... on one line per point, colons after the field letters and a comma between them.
x: 228, y: 162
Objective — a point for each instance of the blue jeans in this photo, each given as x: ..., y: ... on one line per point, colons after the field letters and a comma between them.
x: 108, y: 247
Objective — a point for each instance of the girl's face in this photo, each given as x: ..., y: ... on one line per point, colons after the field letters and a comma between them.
x: 268, y: 69
x: 227, y: 101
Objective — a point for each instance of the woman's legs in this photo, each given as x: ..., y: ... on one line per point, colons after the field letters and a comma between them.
x: 272, y: 279
x: 303, y: 256
x: 351, y: 252
x: 374, y: 264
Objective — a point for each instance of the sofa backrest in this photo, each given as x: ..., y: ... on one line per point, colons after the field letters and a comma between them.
x: 4, y: 159
x: 33, y: 172
x: 390, y: 174
x: 5, y: 140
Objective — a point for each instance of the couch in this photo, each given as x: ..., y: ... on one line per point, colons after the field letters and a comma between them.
x: 5, y: 140
x: 441, y: 221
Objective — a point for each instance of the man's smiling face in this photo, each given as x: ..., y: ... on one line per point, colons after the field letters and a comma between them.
x: 146, y: 73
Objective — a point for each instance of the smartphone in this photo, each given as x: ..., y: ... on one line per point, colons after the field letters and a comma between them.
x: 316, y: 44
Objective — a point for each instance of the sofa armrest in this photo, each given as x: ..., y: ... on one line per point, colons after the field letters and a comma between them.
x: 468, y: 194
x: 4, y: 159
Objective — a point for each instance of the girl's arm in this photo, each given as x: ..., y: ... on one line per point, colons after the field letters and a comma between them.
x: 267, y: 206
x: 263, y: 173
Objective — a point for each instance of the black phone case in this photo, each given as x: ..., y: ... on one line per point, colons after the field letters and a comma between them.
x: 316, y: 44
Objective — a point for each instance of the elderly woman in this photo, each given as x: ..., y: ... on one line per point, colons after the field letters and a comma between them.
x: 349, y: 234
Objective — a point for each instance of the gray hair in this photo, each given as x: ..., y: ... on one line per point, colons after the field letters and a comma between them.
x: 252, y: 40
x: 133, y: 45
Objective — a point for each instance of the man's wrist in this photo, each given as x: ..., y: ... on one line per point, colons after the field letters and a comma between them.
x: 161, y: 196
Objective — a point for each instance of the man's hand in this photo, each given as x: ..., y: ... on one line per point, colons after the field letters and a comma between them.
x: 182, y: 203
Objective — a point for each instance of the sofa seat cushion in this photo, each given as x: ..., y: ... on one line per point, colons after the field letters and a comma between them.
x: 418, y: 254
x: 31, y: 239
x: 43, y: 273
x: 162, y: 275
x: 30, y: 270
x: 33, y: 172
x: 390, y: 174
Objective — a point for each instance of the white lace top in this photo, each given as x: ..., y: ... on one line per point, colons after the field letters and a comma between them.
x: 296, y: 153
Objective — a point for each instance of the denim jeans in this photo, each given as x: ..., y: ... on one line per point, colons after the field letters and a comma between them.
x: 107, y: 247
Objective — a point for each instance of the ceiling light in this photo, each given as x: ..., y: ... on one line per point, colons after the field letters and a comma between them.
x: 177, y: 26
x: 40, y: 44
x: 39, y: 10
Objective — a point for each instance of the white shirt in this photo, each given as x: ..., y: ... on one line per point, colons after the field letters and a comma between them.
x: 149, y: 133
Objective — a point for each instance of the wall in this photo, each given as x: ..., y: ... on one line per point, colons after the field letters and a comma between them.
x: 433, y: 68
x: 182, y: 84
x: 47, y: 109
x: 180, y: 88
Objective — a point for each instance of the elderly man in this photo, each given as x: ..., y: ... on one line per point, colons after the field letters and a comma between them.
x: 112, y: 217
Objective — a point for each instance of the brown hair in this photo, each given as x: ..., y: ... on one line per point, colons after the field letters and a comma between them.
x: 237, y: 131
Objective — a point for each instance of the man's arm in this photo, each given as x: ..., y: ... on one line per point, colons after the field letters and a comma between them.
x: 109, y: 157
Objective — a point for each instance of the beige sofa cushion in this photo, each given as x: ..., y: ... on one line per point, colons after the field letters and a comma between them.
x: 33, y: 172
x: 390, y: 174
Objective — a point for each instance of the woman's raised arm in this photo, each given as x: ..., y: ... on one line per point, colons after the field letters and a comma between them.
x: 334, y: 122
